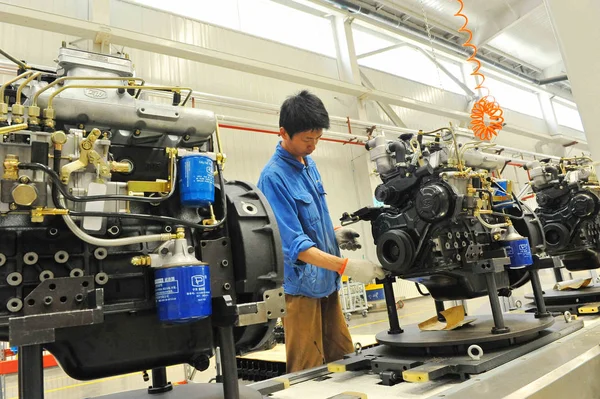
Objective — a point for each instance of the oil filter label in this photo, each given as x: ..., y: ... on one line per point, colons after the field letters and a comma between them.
x: 166, y: 288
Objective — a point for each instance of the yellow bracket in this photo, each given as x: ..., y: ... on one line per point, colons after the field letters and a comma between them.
x: 148, y: 186
x: 589, y: 308
x: 336, y: 368
x: 37, y: 214
x: 156, y: 186
x: 415, y: 376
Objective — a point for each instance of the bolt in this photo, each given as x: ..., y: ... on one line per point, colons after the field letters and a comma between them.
x: 186, y: 137
x: 48, y: 301
x: 164, y: 251
x: 224, y: 263
x: 13, y: 206
x: 24, y: 179
x: 137, y: 132
x: 80, y: 126
x: 226, y: 286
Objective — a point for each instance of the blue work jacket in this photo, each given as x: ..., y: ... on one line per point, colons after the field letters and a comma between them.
x: 296, y: 194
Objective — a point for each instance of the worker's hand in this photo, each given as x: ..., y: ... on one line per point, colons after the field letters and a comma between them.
x: 346, y: 238
x: 362, y: 271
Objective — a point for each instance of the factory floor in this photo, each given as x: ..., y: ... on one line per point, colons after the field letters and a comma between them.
x: 58, y: 385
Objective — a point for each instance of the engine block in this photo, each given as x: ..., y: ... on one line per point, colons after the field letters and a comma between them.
x: 446, y: 215
x: 118, y: 229
x: 567, y: 193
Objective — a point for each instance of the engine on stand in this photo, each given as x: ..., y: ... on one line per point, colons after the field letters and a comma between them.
x: 123, y: 248
x: 451, y: 223
x: 567, y: 194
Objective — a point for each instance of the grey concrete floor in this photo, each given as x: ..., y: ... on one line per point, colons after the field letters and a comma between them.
x: 59, y: 386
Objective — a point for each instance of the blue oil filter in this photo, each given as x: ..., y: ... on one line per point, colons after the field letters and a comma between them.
x: 183, y: 293
x: 519, y: 253
x: 501, y: 198
x: 196, y: 180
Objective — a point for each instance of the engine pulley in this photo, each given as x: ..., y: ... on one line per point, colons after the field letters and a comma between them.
x: 395, y: 251
x: 433, y: 202
x: 583, y: 205
x: 557, y: 236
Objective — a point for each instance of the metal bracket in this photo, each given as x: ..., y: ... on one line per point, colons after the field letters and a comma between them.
x: 272, y: 307
x: 493, y: 265
x: 57, y: 303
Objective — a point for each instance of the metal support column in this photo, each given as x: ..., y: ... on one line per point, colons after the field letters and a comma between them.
x: 159, y: 381
x: 573, y: 21
x: 347, y: 62
x: 31, y: 372
x: 558, y: 274
x: 231, y: 388
x: 390, y: 302
x: 499, y: 326
x: 538, y: 294
x: 439, y: 308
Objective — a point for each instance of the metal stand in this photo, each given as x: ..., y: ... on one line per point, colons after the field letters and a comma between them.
x: 439, y: 308
x: 390, y: 302
x: 31, y: 372
x: 231, y: 388
x: 159, y: 381
x: 499, y: 326
x: 538, y: 294
x: 557, y: 275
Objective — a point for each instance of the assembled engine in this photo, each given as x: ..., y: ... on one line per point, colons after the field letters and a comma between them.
x: 567, y: 194
x: 122, y: 247
x: 446, y: 216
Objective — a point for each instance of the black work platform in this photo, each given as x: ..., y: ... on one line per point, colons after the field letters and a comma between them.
x: 568, y: 300
x: 395, y: 364
x: 522, y: 326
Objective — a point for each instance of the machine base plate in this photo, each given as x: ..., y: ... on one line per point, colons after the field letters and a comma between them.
x: 523, y: 327
x: 188, y: 391
x: 396, y: 363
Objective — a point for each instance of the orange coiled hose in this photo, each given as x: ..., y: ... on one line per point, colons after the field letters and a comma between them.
x: 486, y: 114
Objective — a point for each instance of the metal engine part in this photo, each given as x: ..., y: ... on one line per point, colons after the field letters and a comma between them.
x: 90, y: 199
x: 445, y: 215
x: 568, y: 198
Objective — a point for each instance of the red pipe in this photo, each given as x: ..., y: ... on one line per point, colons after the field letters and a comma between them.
x: 252, y: 129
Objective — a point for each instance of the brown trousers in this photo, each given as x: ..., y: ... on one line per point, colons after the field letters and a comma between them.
x: 315, y: 332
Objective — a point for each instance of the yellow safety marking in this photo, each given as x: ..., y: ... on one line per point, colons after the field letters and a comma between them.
x: 415, y: 376
x: 589, y: 308
x: 336, y: 368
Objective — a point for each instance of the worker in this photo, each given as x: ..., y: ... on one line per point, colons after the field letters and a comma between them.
x: 315, y: 328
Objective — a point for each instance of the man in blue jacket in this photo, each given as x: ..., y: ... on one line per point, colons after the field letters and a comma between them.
x: 315, y: 329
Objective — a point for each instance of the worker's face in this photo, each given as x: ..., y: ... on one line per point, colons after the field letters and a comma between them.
x: 303, y: 143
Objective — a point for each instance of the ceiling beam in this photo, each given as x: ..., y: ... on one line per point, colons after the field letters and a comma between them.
x: 495, y: 23
x: 36, y: 19
x: 32, y: 18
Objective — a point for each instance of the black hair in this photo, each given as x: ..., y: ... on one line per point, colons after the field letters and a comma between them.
x: 301, y: 112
